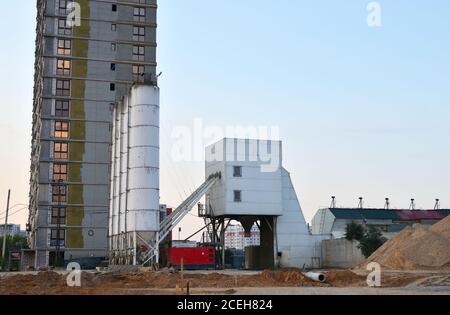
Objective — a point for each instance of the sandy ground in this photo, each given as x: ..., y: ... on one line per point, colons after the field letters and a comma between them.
x: 229, y: 282
x: 344, y: 291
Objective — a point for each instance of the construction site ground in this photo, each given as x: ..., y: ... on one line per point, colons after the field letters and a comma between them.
x: 229, y: 282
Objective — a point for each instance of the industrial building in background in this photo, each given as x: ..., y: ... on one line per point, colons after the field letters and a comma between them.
x: 338, y: 252
x: 389, y: 222
x: 81, y: 73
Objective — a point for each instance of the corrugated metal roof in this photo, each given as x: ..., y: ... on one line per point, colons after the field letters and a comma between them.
x: 348, y: 214
x: 380, y: 214
x: 383, y: 214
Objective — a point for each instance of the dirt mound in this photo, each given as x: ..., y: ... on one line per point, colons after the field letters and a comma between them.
x: 135, y: 282
x: 416, y: 248
x: 287, y: 277
x: 344, y: 278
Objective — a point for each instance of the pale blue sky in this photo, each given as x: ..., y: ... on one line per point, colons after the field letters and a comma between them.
x: 362, y: 111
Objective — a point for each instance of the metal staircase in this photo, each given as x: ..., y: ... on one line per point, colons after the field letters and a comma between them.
x: 171, y: 221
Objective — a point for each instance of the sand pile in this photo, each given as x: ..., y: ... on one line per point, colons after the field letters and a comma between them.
x: 416, y: 248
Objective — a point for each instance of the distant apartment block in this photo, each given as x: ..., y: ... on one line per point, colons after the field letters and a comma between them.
x: 235, y: 237
x: 11, y: 230
x: 80, y: 73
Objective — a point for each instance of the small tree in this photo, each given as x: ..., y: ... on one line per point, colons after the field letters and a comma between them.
x: 372, y: 240
x: 11, y: 242
x: 354, y: 231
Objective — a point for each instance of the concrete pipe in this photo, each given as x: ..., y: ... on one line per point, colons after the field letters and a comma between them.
x: 316, y: 276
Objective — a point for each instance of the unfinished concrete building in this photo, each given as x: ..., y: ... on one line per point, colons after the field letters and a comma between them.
x: 81, y: 72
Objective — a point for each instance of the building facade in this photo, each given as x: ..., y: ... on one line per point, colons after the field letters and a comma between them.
x: 81, y: 72
x: 235, y: 237
x: 11, y: 230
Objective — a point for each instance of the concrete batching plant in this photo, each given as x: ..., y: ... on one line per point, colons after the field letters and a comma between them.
x: 256, y: 188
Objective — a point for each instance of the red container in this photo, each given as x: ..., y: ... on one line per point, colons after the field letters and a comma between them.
x: 417, y: 215
x: 193, y: 258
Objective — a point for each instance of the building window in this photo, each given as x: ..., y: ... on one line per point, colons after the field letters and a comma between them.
x: 63, y: 28
x: 59, y: 193
x: 61, y: 129
x: 237, y: 171
x: 59, y: 215
x: 113, y: 47
x: 59, y: 172
x: 63, y: 4
x: 112, y: 87
x: 63, y: 67
x: 138, y: 73
x: 58, y: 237
x: 113, y: 27
x: 61, y: 151
x: 138, y: 33
x: 139, y: 14
x: 237, y: 196
x: 63, y: 87
x: 114, y: 7
x: 62, y: 108
x: 139, y: 53
x: 64, y: 47
x: 113, y: 67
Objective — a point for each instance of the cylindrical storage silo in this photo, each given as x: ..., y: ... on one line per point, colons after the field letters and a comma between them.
x: 116, y: 187
x: 143, y: 172
x: 123, y: 164
x: 112, y: 168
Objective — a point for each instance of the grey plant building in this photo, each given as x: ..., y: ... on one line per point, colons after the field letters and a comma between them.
x: 81, y: 72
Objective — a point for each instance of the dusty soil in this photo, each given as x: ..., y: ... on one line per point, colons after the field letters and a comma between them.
x: 140, y: 282
x: 345, y: 278
x: 157, y: 283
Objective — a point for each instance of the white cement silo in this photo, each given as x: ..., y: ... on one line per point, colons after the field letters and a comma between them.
x: 143, y: 172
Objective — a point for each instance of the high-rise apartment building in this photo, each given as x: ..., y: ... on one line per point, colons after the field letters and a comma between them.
x: 81, y: 72
x: 235, y: 237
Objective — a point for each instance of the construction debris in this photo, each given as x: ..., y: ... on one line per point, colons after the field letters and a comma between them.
x: 416, y: 248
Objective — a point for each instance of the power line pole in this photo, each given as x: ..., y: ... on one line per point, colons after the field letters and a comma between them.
x: 6, y: 223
